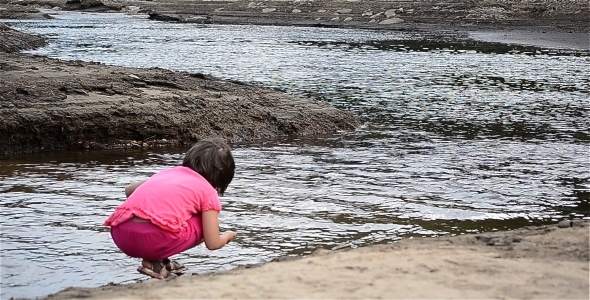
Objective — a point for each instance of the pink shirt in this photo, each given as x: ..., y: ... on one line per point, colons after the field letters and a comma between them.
x: 168, y: 199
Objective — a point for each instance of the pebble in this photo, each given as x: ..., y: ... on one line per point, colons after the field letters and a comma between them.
x: 376, y: 15
x: 390, y: 13
x: 391, y: 21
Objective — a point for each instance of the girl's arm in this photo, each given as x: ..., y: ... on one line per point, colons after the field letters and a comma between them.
x: 130, y: 188
x: 211, y: 231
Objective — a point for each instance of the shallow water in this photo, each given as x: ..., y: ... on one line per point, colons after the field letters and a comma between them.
x: 468, y: 137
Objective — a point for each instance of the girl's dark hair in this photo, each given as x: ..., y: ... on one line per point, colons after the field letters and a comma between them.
x: 213, y: 160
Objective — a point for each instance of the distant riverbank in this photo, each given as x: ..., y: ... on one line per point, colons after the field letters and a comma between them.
x: 544, y: 23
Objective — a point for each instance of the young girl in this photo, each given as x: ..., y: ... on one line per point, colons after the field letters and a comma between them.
x: 175, y: 210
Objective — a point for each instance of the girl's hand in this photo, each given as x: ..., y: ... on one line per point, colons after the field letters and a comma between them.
x: 211, y: 231
x: 229, y: 235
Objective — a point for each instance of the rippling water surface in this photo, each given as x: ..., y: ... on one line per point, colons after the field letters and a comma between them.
x: 457, y: 137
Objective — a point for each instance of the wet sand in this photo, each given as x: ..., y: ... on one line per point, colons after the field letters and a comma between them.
x: 545, y: 262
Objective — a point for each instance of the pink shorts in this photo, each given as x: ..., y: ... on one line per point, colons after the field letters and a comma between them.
x: 150, y: 242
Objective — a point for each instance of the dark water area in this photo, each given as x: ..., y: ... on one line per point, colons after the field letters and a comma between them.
x: 457, y: 137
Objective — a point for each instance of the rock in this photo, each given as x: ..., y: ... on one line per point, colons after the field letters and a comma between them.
x: 391, y: 21
x: 335, y: 19
x: 376, y: 15
x: 268, y: 10
x: 344, y: 11
x: 88, y: 4
x: 348, y: 19
x: 132, y: 9
x: 367, y: 13
x: 296, y: 11
x: 390, y: 13
x: 164, y: 17
x: 485, y: 239
x: 564, y: 224
x: 195, y: 19
x: 342, y: 246
x: 321, y: 10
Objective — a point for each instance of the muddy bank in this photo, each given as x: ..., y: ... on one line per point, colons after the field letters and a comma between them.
x: 47, y: 104
x: 13, y: 41
x: 533, y: 262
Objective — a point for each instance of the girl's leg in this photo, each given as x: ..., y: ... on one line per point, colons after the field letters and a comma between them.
x: 141, y: 240
x: 155, y: 245
x: 150, y: 242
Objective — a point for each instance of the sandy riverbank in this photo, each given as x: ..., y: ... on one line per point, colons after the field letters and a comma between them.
x: 545, y: 262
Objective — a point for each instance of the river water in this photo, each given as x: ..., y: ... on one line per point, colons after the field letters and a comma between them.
x: 457, y: 137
